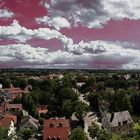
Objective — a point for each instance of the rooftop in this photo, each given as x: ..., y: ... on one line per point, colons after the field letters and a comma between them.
x: 5, y: 121
x: 56, y: 129
x: 119, y: 118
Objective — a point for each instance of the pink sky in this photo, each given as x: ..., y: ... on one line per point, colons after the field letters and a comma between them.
x: 118, y: 32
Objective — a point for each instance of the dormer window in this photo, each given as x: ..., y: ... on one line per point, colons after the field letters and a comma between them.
x: 49, y: 138
x: 54, y: 138
x: 119, y: 123
x: 52, y: 124
x: 60, y: 124
x: 58, y: 138
x: 125, y: 122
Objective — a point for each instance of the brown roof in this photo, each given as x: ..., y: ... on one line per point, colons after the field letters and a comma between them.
x: 14, y: 90
x: 58, y: 128
x: 5, y: 121
x: 14, y: 117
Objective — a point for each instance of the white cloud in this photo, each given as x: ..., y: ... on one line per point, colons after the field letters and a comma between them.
x: 22, y: 34
x: 4, y: 13
x: 56, y: 22
x: 92, y: 13
x: 95, y: 54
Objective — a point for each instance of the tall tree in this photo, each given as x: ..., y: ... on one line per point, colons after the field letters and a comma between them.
x: 78, y: 134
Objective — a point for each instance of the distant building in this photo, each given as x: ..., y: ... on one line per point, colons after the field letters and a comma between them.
x: 11, y: 93
x: 56, y: 129
x: 80, y: 84
x: 30, y: 122
x: 13, y: 107
x: 42, y: 109
x: 118, y: 122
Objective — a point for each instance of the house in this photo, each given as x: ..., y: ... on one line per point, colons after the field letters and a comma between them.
x: 30, y: 122
x: 42, y: 109
x: 13, y: 107
x: 6, y: 120
x: 11, y: 93
x: 56, y: 129
x: 80, y: 84
x: 118, y: 122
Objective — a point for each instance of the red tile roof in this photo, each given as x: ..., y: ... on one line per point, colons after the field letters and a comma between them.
x: 57, y: 130
x: 5, y: 121
x: 13, y: 117
x: 14, y: 90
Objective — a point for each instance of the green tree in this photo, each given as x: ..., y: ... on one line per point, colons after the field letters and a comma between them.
x: 20, y: 82
x: 104, y: 135
x: 93, y: 98
x: 68, y: 94
x: 81, y: 110
x: 94, y: 130
x: 26, y: 133
x: 3, y: 134
x: 28, y: 104
x: 67, y: 108
x: 100, y: 86
x: 119, y: 101
x: 78, y: 134
x: 6, y: 83
x: 135, y: 101
x: 136, y: 132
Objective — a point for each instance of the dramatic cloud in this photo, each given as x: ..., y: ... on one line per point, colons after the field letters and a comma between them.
x: 89, y: 13
x: 4, y: 13
x: 95, y: 54
x: 56, y: 22
x: 22, y: 34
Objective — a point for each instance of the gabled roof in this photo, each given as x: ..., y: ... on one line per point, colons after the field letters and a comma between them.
x: 5, y: 121
x: 14, y: 90
x: 58, y: 128
x: 34, y: 122
x: 14, y: 117
x: 119, y: 118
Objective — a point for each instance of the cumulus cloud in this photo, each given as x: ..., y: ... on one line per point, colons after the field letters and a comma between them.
x: 22, y: 34
x: 56, y: 22
x: 91, y: 13
x: 4, y: 13
x: 95, y: 54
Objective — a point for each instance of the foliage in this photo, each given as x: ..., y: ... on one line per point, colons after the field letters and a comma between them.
x: 93, y: 98
x: 77, y: 134
x: 137, y: 131
x: 28, y: 103
x: 3, y: 133
x: 26, y: 133
x: 81, y: 110
x: 94, y: 130
x: 100, y: 134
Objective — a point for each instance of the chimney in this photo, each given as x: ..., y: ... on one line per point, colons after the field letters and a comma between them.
x: 112, y: 117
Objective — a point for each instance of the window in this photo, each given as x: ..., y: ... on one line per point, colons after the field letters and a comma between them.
x: 58, y: 138
x: 54, y: 138
x: 52, y: 124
